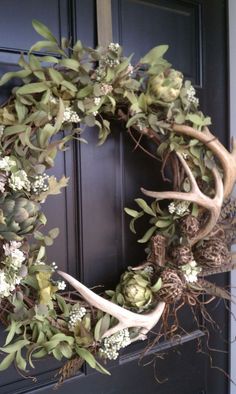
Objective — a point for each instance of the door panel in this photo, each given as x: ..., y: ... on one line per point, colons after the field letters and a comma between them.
x: 95, y: 243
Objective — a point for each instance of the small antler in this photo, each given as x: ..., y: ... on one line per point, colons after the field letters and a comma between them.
x: 126, y: 318
x: 195, y: 195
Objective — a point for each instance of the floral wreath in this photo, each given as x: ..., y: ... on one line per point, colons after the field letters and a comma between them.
x: 189, y: 236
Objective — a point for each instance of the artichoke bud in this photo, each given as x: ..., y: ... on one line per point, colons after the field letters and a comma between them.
x: 165, y: 86
x: 20, y: 215
x: 135, y: 290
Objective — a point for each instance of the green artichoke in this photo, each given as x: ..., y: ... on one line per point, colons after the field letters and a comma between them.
x: 18, y: 216
x: 134, y: 290
x: 165, y: 88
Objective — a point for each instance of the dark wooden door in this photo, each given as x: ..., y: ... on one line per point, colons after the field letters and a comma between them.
x: 95, y: 243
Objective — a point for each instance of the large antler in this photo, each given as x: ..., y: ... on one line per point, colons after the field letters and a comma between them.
x: 195, y: 195
x: 126, y: 318
x: 228, y: 163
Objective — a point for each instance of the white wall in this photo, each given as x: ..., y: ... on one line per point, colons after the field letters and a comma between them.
x: 232, y: 64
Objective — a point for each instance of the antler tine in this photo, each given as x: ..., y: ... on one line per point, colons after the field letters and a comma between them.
x: 195, y: 195
x: 126, y: 318
x: 227, y: 159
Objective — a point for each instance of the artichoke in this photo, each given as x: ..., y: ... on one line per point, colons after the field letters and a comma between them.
x: 18, y: 217
x: 165, y: 88
x: 134, y: 290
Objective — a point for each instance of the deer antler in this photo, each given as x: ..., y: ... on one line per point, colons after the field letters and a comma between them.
x: 126, y: 318
x: 195, y: 195
x: 227, y: 159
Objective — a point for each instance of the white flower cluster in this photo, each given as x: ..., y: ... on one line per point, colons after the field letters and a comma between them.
x: 6, y: 163
x: 114, y: 47
x: 61, y: 285
x: 149, y: 270
x: 7, y: 285
x: 191, y: 271
x: 111, y: 62
x: 179, y: 208
x: 19, y: 181
x: 40, y: 184
x: 100, y: 73
x: 15, y: 256
x: 70, y: 116
x: 76, y: 315
x: 111, y: 345
x: 106, y: 89
x: 10, y: 274
x: 191, y: 95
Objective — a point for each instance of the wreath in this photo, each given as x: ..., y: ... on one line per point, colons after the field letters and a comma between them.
x: 191, y: 227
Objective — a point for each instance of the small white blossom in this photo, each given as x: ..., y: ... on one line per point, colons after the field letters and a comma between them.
x: 110, y: 62
x: 70, y: 116
x: 111, y: 345
x: 19, y: 181
x: 76, y: 315
x: 171, y: 208
x: 106, y: 88
x: 180, y: 208
x: 54, y: 266
x: 2, y: 127
x: 191, y: 271
x: 61, y: 285
x: 95, y: 113
x: 6, y: 163
x: 53, y: 100
x: 97, y: 100
x: 191, y: 95
x: 114, y: 47
x: 40, y: 184
x: 2, y: 186
x: 130, y: 69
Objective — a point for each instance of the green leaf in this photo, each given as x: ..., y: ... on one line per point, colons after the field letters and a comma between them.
x: 43, y: 31
x: 102, y: 326
x: 20, y: 361
x: 12, y: 332
x: 142, y: 204
x: 35, y: 87
x: 134, y: 119
x: 62, y: 305
x: 14, y: 74
x: 156, y: 287
x: 84, y: 92
x: 155, y: 53
x: 132, y: 222
x: 21, y: 110
x: 11, y: 130
x: 69, y: 86
x: 49, y: 45
x: 14, y: 347
x: 7, y: 361
x: 72, y: 64
x: 131, y: 212
x: 89, y: 358
x: 147, y: 235
x: 55, y: 76
x: 162, y: 223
